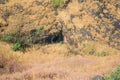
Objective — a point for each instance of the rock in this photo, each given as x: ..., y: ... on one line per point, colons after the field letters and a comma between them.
x: 47, y: 38
x: 66, y: 2
x: 3, y: 1
x: 98, y: 77
x: 38, y: 2
x: 1, y: 66
x: 80, y: 1
x: 33, y: 32
x: 55, y: 38
x: 116, y: 24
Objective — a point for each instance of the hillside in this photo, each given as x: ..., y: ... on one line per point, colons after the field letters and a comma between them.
x: 67, y: 40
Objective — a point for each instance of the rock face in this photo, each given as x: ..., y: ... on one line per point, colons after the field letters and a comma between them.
x: 80, y: 21
x: 97, y: 21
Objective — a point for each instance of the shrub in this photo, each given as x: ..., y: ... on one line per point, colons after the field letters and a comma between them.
x: 115, y: 75
x: 17, y: 46
x: 13, y: 38
x: 57, y: 3
x: 40, y: 29
x: 8, y: 38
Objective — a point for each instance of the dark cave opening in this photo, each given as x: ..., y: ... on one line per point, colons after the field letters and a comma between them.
x: 54, y: 38
x: 46, y: 38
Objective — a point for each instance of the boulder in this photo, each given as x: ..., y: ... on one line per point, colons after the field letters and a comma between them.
x: 98, y: 77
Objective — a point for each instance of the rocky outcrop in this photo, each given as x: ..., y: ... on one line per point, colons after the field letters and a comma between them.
x: 92, y: 20
x: 98, y: 21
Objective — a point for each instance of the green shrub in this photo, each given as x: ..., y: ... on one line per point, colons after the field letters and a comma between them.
x: 115, y: 75
x: 11, y: 38
x: 17, y: 46
x: 14, y: 38
x: 8, y: 38
x: 57, y: 3
x: 40, y: 29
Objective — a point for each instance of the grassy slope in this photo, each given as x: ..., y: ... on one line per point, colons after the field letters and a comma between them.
x: 56, y: 61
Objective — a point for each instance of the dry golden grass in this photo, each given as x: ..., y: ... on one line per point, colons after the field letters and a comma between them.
x: 36, y: 54
x: 9, y: 60
x: 98, y: 49
x: 51, y: 62
x: 74, y: 68
x: 56, y: 61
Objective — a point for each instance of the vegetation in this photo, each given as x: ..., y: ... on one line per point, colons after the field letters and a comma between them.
x: 11, y: 38
x: 17, y: 46
x: 57, y: 3
x: 101, y: 54
x: 40, y: 29
x: 115, y: 75
x: 59, y: 39
x: 8, y: 38
x: 9, y: 62
x: 93, y: 51
x: 14, y: 38
x: 97, y: 49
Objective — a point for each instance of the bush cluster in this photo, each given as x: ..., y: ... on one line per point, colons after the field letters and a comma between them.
x: 12, y: 38
x: 57, y: 3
